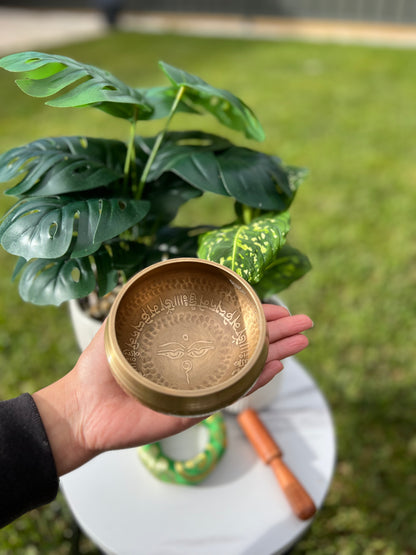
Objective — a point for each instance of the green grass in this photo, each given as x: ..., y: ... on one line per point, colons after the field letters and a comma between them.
x: 348, y: 114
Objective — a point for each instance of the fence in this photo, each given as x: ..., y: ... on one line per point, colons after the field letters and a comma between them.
x: 389, y: 11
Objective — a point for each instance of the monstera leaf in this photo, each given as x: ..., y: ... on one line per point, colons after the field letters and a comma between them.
x: 49, y: 227
x: 56, y: 281
x: 45, y: 281
x: 166, y: 196
x: 60, y: 165
x: 128, y: 257
x: 161, y: 99
x: 213, y: 164
x: 246, y: 249
x: 176, y: 242
x: 50, y: 75
x: 91, y: 211
x: 227, y: 108
x: 288, y: 266
x: 117, y: 258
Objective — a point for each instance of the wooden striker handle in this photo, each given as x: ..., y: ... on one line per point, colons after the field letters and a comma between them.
x: 266, y: 447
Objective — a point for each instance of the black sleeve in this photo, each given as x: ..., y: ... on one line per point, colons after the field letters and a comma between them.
x: 28, y: 476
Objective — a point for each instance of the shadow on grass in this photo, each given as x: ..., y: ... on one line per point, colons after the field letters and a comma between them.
x: 370, y: 508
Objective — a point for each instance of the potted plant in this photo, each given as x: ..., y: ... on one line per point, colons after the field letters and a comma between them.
x: 91, y: 212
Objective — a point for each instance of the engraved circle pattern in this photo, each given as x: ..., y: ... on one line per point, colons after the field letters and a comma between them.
x: 187, y: 330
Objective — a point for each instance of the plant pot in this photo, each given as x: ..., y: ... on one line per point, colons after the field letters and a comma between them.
x: 85, y: 327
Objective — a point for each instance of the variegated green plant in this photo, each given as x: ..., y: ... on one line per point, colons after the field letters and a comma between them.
x: 92, y: 211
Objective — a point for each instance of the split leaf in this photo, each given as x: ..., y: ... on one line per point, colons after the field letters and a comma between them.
x: 60, y: 165
x: 227, y: 108
x: 74, y: 84
x: 50, y: 227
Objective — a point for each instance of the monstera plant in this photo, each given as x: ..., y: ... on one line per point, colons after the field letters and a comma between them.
x: 91, y: 212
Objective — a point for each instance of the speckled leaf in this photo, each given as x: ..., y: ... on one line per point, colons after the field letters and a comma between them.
x: 296, y: 177
x: 288, y: 266
x: 247, y: 249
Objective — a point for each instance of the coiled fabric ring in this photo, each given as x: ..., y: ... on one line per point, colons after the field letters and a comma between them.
x: 191, y: 471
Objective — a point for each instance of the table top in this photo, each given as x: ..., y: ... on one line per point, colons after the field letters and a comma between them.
x: 238, y: 510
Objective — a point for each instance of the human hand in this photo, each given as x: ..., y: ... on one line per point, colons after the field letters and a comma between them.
x: 86, y: 412
x: 285, y: 339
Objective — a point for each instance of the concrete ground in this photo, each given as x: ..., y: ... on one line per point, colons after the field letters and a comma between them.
x: 23, y: 29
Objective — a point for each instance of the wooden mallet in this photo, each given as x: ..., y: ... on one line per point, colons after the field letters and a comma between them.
x: 270, y: 453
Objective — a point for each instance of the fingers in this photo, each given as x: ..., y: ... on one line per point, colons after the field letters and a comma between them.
x: 273, y: 311
x: 285, y: 332
x: 287, y: 347
x: 284, y: 348
x: 287, y: 326
x: 285, y: 339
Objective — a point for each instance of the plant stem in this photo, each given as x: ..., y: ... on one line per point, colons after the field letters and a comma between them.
x: 158, y: 142
x: 130, y: 156
x: 247, y: 214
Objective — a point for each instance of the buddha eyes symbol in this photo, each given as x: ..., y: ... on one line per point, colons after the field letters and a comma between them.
x: 175, y: 350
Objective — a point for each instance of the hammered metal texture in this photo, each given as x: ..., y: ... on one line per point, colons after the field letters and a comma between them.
x: 188, y: 326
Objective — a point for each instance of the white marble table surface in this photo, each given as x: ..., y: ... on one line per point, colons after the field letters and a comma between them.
x: 238, y: 510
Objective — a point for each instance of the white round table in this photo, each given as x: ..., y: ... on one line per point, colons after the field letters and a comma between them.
x: 238, y: 510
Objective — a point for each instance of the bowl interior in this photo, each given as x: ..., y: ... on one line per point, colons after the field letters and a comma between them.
x: 188, y: 326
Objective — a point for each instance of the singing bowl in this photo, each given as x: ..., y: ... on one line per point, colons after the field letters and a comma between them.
x: 186, y: 337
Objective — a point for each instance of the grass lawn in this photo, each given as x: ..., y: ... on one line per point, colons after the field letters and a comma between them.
x: 347, y: 113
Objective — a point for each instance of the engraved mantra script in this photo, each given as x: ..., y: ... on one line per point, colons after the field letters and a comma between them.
x: 178, y: 349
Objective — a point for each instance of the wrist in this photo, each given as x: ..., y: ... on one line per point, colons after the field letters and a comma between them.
x: 58, y: 407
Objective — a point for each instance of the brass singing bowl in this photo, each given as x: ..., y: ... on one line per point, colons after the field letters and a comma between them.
x: 186, y: 337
